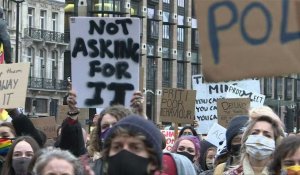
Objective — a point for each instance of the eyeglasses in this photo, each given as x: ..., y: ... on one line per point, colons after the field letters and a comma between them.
x: 186, y: 133
x: 186, y: 149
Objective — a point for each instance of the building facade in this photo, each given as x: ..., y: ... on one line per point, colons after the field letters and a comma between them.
x: 42, y: 44
x: 169, y: 51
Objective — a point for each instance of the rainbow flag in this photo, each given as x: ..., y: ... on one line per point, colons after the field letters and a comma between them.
x: 5, y: 144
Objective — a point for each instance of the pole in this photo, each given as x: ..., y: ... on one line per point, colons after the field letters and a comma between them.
x: 17, y: 31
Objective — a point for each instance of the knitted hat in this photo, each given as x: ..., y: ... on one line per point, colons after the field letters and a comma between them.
x: 138, y: 124
x: 236, y: 126
x: 193, y: 139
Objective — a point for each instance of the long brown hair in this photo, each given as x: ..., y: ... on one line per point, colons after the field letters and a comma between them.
x: 7, y: 166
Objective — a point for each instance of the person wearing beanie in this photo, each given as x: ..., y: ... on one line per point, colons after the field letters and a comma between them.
x: 234, y: 133
x: 132, y: 147
x: 207, y: 157
x: 189, y: 146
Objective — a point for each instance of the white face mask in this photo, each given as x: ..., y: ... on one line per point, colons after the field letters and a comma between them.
x: 259, y: 147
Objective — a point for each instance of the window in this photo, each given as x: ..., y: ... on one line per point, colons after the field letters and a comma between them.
x: 298, y: 89
x: 166, y: 17
x: 151, y: 13
x: 153, y: 27
x: 180, y: 3
x: 135, y: 10
x: 279, y: 87
x: 180, y: 34
x: 41, y: 105
x: 30, y: 17
x: 166, y: 31
x: 43, y: 20
x: 150, y: 49
x: 166, y: 72
x: 30, y: 55
x: 195, y: 63
x: 180, y: 74
x: 268, y: 87
x: 54, y: 21
x: 54, y: 59
x: 41, y: 66
x: 180, y: 20
x: 166, y: 1
x: 289, y: 88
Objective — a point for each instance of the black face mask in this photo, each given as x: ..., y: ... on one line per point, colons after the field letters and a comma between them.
x: 188, y: 155
x: 235, y: 150
x: 127, y: 163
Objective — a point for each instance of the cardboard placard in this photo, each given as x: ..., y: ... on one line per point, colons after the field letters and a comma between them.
x: 46, y: 124
x: 177, y: 105
x: 244, y: 39
x: 256, y: 99
x: 229, y: 108
x: 13, y: 85
x: 170, y: 139
x: 209, y: 93
x: 105, y: 55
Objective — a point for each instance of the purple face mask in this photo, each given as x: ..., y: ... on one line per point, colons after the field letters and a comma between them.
x: 104, y: 134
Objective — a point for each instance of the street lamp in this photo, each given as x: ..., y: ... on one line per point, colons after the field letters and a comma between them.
x: 18, y: 2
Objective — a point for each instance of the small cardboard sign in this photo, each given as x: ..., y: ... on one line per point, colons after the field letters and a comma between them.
x: 46, y: 124
x: 170, y: 139
x: 216, y: 135
x: 248, y: 38
x: 177, y: 105
x: 13, y: 85
x: 105, y: 56
x: 229, y: 108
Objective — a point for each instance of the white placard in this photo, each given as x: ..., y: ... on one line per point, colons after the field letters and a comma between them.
x: 105, y: 54
x: 170, y: 139
x: 207, y: 96
x: 256, y: 99
x: 216, y: 135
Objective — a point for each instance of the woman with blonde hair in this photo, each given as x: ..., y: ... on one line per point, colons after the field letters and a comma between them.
x: 258, y: 144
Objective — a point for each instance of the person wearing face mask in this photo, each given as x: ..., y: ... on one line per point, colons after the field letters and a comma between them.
x: 188, y: 146
x: 286, y: 159
x: 207, y: 156
x: 233, y: 135
x: 19, y: 156
x: 132, y: 147
x: 258, y: 144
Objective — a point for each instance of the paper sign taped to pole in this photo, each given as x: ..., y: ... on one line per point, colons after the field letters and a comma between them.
x: 248, y: 38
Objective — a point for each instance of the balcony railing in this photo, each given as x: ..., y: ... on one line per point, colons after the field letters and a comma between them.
x: 45, y: 35
x: 44, y: 83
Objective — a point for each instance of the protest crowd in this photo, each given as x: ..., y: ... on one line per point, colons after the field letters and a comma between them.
x: 125, y: 142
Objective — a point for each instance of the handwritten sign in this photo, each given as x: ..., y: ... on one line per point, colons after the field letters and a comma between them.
x: 177, y: 105
x: 170, y: 139
x: 244, y: 39
x: 105, y: 54
x: 46, y: 124
x: 209, y: 93
x: 257, y: 100
x: 13, y: 85
x: 229, y: 108
x: 216, y: 135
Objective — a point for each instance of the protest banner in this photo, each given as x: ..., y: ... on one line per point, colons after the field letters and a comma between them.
x: 229, y: 108
x: 13, y: 85
x: 248, y: 38
x: 256, y: 99
x: 105, y: 55
x: 177, y: 105
x: 170, y: 139
x: 209, y: 93
x: 46, y: 124
x: 216, y: 135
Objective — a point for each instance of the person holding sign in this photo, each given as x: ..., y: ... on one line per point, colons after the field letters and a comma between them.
x: 258, y: 144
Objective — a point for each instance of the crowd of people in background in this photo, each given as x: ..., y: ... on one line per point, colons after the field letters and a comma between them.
x: 125, y: 142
